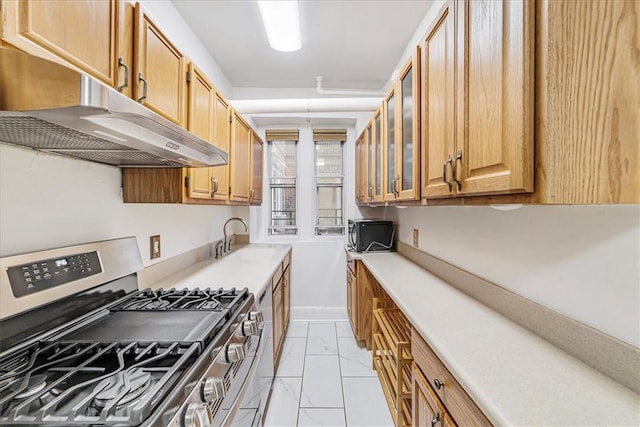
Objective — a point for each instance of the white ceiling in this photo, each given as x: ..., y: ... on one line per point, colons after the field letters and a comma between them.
x: 353, y: 44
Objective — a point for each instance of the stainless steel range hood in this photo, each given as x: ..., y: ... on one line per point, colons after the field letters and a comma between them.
x: 52, y: 108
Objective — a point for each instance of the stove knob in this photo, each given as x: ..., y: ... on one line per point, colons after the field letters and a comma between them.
x: 249, y: 327
x: 213, y: 388
x: 197, y: 415
x: 235, y: 352
x: 256, y: 315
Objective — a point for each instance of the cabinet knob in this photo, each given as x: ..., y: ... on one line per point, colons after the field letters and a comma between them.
x: 438, y: 384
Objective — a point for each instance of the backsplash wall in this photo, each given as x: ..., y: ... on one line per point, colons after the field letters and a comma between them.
x: 581, y: 261
x: 48, y: 201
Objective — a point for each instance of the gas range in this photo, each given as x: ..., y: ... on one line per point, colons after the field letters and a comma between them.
x: 88, y: 352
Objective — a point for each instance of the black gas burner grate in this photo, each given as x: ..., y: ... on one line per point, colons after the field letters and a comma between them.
x: 183, y: 299
x: 90, y: 383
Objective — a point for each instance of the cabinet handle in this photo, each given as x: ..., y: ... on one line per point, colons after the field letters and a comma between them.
x: 455, y: 170
x: 438, y: 384
x: 214, y: 186
x: 393, y: 185
x: 126, y: 74
x: 444, y: 172
x: 396, y: 186
x: 144, y: 88
x: 435, y: 419
x: 251, y: 193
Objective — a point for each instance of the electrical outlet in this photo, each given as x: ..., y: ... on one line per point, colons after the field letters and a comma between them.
x: 154, y: 245
x: 415, y: 237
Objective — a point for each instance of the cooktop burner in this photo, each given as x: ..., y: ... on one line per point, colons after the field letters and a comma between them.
x: 183, y: 299
x: 90, y: 383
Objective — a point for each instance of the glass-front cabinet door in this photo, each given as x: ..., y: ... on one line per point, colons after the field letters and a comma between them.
x: 369, y: 156
x: 390, y: 176
x: 407, y: 185
x: 376, y: 144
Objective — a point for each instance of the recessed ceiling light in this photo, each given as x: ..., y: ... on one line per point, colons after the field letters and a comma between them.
x: 282, y: 24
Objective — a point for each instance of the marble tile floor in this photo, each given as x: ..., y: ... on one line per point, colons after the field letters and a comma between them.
x: 325, y: 379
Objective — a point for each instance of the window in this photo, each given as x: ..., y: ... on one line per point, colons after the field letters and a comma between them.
x: 282, y: 182
x: 329, y: 177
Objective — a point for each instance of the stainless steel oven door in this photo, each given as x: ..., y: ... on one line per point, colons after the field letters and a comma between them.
x: 252, y: 399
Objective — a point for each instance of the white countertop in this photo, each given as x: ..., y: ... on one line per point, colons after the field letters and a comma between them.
x: 250, y: 266
x: 514, y: 376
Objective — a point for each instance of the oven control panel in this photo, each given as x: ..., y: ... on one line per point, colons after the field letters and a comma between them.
x: 37, y: 276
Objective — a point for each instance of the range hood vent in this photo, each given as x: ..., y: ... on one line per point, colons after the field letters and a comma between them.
x: 52, y: 108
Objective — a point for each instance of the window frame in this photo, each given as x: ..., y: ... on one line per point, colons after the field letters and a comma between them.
x: 317, y: 186
x: 288, y: 229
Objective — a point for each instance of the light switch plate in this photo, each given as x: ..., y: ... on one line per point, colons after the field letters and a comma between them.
x: 415, y: 238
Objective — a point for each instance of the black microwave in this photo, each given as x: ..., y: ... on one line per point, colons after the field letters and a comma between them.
x: 371, y: 235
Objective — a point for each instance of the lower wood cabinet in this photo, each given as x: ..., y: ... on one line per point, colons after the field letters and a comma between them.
x: 437, y: 395
x: 352, y: 296
x: 427, y: 409
x: 281, y: 285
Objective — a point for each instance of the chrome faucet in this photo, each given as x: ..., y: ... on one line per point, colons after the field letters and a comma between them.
x: 226, y: 243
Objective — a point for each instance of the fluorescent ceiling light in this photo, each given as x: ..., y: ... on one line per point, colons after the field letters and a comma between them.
x: 282, y: 24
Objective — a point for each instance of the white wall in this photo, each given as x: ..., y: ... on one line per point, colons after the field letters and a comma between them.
x: 582, y: 261
x: 47, y: 201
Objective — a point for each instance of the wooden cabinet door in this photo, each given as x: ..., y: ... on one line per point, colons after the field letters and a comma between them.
x: 427, y: 410
x: 367, y: 155
x: 378, y: 158
x: 286, y: 282
x: 257, y: 161
x: 360, y: 170
x: 82, y: 33
x: 351, y: 301
x: 222, y: 140
x: 240, y: 159
x: 389, y: 150
x: 438, y: 112
x: 494, y: 135
x: 278, y: 319
x: 200, y: 109
x: 159, y: 70
x: 408, y: 157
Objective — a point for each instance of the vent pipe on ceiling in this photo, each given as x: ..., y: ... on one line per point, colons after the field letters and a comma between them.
x: 349, y: 92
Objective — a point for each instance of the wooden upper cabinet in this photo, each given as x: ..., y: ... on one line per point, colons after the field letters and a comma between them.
x: 257, y: 162
x: 408, y: 117
x: 159, y: 70
x: 222, y: 140
x: 200, y: 111
x: 239, y: 159
x: 494, y: 100
x: 378, y: 158
x: 438, y: 96
x: 588, y: 107
x: 389, y: 172
x: 358, y: 170
x: 85, y: 34
x: 367, y: 155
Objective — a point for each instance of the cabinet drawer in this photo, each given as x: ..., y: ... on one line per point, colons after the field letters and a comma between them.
x: 458, y: 403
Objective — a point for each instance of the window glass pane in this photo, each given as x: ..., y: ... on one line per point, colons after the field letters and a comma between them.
x: 407, y: 131
x: 329, y: 158
x: 329, y: 206
x: 391, y: 144
x: 378, y: 139
x: 282, y: 187
x: 283, y: 158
